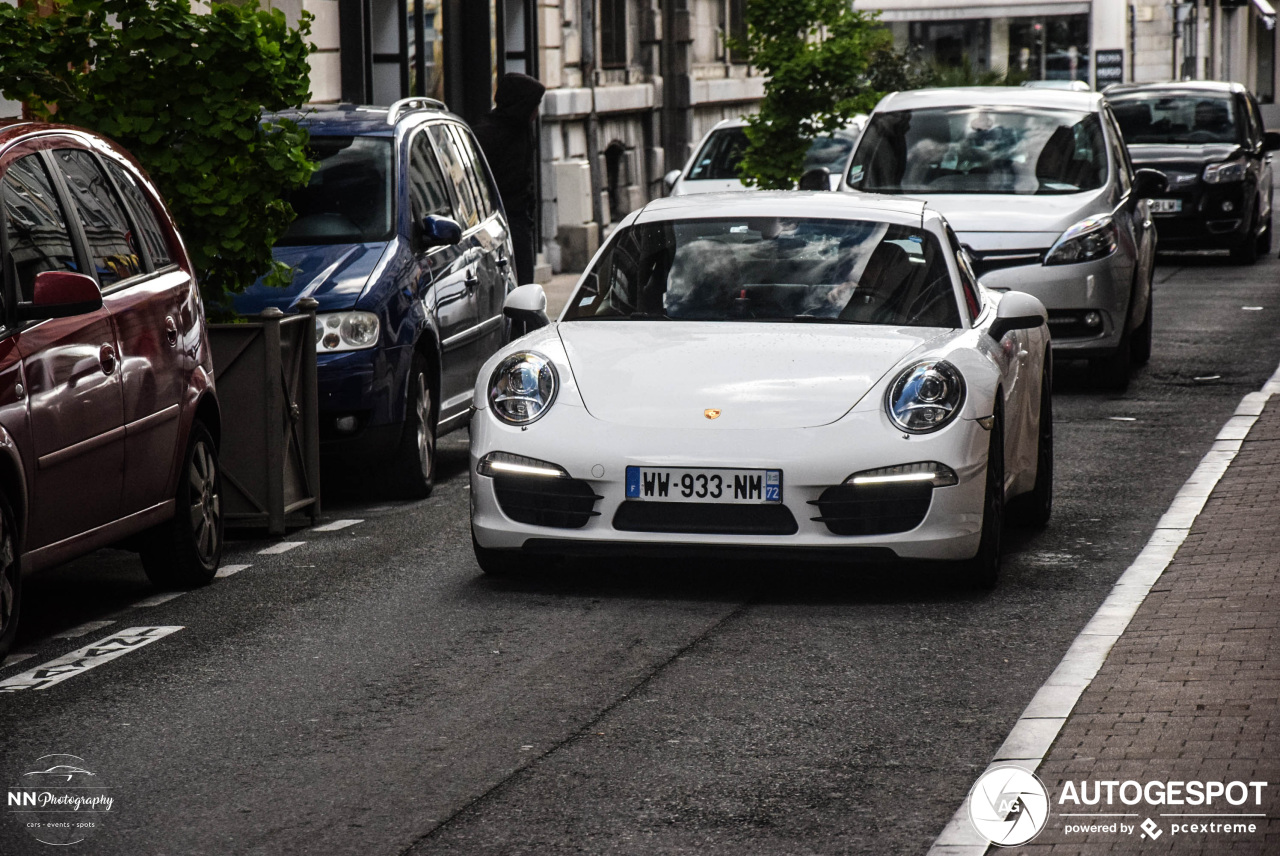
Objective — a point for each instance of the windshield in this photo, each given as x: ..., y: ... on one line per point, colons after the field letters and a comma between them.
x: 1023, y: 151
x: 722, y: 152
x: 770, y: 269
x: 348, y: 200
x: 1184, y: 118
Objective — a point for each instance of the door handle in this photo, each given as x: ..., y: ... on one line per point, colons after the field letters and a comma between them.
x: 503, y: 261
x: 472, y: 280
x: 171, y: 330
x: 107, y: 359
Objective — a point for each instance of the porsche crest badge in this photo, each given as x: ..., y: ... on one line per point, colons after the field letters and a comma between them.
x: 711, y: 413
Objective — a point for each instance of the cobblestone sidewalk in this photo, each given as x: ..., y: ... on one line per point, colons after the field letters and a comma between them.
x: 1191, y: 690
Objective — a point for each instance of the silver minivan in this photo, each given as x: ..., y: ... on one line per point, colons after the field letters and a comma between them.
x: 1039, y: 189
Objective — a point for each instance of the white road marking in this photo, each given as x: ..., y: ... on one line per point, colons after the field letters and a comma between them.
x: 82, y: 629
x: 1251, y: 308
x: 15, y: 659
x: 228, y: 570
x: 86, y: 658
x: 335, y: 525
x: 1034, y: 732
x: 157, y: 599
x: 1123, y: 418
x: 282, y: 547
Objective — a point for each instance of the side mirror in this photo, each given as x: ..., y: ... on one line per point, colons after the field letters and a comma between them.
x: 1017, y: 311
x: 61, y: 294
x: 1148, y: 183
x: 818, y: 178
x: 1271, y: 141
x: 436, y: 231
x: 526, y: 306
x: 669, y: 180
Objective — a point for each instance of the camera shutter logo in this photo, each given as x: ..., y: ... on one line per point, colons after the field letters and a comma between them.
x: 59, y: 800
x: 1008, y: 806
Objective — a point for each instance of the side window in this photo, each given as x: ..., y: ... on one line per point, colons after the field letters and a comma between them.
x: 968, y: 280
x: 35, y: 224
x: 1119, y: 153
x: 455, y: 168
x: 428, y: 192
x: 112, y: 244
x: 152, y: 235
x: 1255, y: 121
x: 475, y: 169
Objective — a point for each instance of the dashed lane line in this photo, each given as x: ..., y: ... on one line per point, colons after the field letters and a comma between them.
x: 335, y: 525
x: 1034, y: 732
x: 83, y: 629
x: 281, y: 547
x: 83, y: 659
x: 227, y: 570
x: 157, y: 599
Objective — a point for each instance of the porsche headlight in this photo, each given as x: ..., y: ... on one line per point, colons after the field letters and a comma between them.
x: 346, y: 331
x: 925, y: 396
x: 1227, y: 172
x: 1091, y: 238
x: 522, y: 388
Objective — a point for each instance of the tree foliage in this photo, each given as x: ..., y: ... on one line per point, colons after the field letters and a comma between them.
x: 816, y: 55
x: 185, y: 93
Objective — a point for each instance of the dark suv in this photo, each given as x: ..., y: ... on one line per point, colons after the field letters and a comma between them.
x: 108, y: 421
x: 402, y: 239
x: 1209, y: 141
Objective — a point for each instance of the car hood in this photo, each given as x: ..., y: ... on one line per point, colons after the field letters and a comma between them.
x: 1200, y: 154
x: 713, y: 185
x: 333, y: 274
x: 1046, y: 216
x: 667, y: 374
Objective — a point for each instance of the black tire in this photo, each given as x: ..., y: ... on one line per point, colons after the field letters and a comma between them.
x: 185, y: 551
x: 983, y: 570
x: 1113, y: 372
x: 1035, y: 508
x: 1247, y: 252
x: 414, y: 466
x: 10, y: 578
x: 1264, y: 238
x: 1140, y: 343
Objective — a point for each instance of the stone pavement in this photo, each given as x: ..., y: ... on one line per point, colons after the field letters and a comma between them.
x: 1191, y: 689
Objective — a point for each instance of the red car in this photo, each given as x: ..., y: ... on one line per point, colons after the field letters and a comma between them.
x: 109, y: 423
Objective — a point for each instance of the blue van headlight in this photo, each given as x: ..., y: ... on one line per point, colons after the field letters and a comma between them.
x: 346, y: 331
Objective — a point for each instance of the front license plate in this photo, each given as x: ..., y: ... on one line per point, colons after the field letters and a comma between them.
x: 1166, y: 206
x: 695, y: 484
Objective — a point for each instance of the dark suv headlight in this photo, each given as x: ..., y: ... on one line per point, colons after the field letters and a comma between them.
x: 1227, y: 172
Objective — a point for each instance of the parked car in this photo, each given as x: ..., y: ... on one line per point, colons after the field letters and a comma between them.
x: 1209, y: 141
x: 402, y: 239
x: 1039, y: 188
x: 806, y: 373
x: 713, y: 168
x: 109, y: 422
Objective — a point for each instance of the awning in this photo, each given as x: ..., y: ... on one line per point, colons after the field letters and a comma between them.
x: 1267, y: 13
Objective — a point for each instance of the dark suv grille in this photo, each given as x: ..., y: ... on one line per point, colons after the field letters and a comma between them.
x: 873, y: 509
x: 562, y: 503
x: 704, y: 518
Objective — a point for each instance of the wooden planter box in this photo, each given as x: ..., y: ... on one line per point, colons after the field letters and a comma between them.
x: 265, y: 372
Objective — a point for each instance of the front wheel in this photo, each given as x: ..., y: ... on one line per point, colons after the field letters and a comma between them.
x: 1247, y: 252
x: 1140, y: 344
x: 415, y: 462
x: 10, y: 579
x: 185, y: 551
x: 1113, y: 372
x: 983, y: 570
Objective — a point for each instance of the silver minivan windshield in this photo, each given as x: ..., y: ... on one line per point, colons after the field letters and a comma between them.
x: 1004, y: 150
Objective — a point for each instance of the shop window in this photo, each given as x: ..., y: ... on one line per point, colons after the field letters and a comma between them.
x: 615, y: 162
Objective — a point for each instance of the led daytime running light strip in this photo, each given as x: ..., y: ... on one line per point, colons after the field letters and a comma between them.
x: 901, y: 477
x: 505, y: 467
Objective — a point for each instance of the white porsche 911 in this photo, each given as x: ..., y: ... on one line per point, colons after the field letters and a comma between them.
x: 814, y: 372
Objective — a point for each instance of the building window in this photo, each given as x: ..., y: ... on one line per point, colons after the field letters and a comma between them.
x: 613, y: 33
x: 737, y: 30
x: 1266, y: 64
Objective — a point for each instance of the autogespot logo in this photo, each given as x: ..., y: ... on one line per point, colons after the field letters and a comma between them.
x: 59, y: 800
x: 1008, y: 806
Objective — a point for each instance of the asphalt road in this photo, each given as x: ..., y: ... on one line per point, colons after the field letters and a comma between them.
x: 370, y: 692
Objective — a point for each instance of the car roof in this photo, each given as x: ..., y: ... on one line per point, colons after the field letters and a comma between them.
x: 357, y: 120
x: 741, y: 122
x: 786, y: 203
x: 1205, y: 86
x: 991, y: 96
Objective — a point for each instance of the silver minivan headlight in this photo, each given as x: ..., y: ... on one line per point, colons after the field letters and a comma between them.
x: 1092, y: 238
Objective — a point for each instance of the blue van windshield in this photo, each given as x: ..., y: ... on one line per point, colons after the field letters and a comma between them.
x: 348, y: 200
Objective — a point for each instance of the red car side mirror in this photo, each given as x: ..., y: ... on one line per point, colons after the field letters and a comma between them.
x: 59, y: 294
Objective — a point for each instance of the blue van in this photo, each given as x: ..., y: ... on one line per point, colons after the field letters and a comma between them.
x: 401, y: 238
